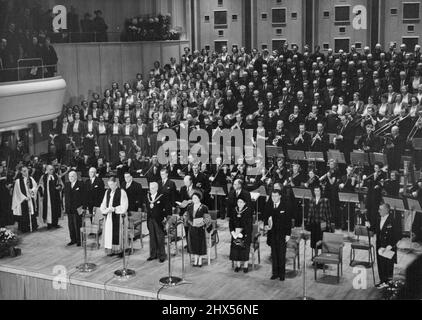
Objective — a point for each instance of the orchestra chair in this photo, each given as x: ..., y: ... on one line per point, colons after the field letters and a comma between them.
x: 293, y: 246
x: 332, y: 245
x: 212, y: 235
x: 135, y: 227
x: 96, y: 227
x: 363, y: 242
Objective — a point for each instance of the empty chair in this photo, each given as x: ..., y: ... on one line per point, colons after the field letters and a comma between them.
x: 331, y: 252
x: 363, y: 242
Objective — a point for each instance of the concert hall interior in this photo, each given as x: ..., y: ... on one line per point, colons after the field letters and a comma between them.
x: 210, y: 149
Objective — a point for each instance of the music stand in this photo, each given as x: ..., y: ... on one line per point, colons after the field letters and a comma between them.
x: 296, y: 155
x: 359, y: 159
x: 217, y: 191
x: 301, y: 193
x: 179, y: 183
x: 395, y: 204
x: 414, y: 207
x: 260, y: 192
x: 375, y: 157
x: 314, y: 157
x: 273, y: 151
x: 337, y: 156
x: 348, y: 198
x: 417, y: 143
x: 124, y: 273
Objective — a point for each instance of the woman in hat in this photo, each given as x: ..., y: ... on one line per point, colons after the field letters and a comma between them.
x: 198, y: 219
x: 240, y: 226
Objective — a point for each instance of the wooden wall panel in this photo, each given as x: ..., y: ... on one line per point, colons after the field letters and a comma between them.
x: 170, y: 50
x: 92, y: 67
x: 111, y: 65
x: 131, y: 61
x: 67, y: 65
x: 151, y: 53
x: 88, y: 70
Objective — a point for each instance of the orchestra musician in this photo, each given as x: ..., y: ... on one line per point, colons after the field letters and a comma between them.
x: 370, y: 142
x: 348, y: 184
x: 218, y: 178
x: 330, y: 188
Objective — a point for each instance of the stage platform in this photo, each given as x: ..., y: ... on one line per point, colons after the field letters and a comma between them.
x: 46, y: 270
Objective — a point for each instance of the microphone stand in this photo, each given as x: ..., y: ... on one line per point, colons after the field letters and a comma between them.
x: 124, y: 273
x: 170, y: 280
x: 86, y: 266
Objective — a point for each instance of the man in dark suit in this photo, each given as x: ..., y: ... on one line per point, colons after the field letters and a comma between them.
x: 238, y: 189
x: 133, y: 192
x: 388, y: 234
x: 167, y: 187
x: 157, y: 211
x: 201, y: 181
x: 280, y: 223
x: 345, y: 138
x: 94, y: 191
x: 74, y: 194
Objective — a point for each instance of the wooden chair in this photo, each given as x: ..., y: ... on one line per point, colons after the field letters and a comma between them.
x: 292, y: 251
x: 331, y: 252
x: 363, y: 244
x: 212, y: 235
x: 135, y: 228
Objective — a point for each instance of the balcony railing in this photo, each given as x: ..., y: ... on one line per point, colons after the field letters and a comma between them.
x: 78, y: 37
x: 28, y: 69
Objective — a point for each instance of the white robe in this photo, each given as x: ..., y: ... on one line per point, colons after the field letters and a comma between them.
x: 108, y: 223
x: 19, y: 197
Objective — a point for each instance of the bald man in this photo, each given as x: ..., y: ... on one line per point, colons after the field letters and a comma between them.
x: 74, y: 196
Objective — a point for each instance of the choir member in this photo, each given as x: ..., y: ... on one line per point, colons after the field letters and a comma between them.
x: 76, y: 131
x: 141, y: 137
x: 24, y: 201
x: 127, y: 137
x: 114, y: 139
x: 278, y: 220
x: 74, y: 199
x: 89, y: 136
x: 103, y: 133
x: 240, y: 226
x: 387, y: 237
x: 114, y: 208
x: 157, y: 212
x: 198, y: 220
x: 51, y: 186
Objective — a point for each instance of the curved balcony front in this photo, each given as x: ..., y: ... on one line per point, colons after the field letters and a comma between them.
x: 30, y: 101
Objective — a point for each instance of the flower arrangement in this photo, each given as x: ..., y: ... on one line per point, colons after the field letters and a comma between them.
x: 149, y: 28
x: 8, y: 241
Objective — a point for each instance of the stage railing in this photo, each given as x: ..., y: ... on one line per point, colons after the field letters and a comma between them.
x: 28, y: 69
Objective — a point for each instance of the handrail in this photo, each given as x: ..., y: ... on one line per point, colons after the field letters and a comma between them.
x: 20, y: 69
x: 30, y: 59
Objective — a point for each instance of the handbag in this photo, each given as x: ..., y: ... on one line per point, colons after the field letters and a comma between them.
x: 239, y: 242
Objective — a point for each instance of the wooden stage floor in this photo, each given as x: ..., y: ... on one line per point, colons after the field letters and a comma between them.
x: 44, y: 250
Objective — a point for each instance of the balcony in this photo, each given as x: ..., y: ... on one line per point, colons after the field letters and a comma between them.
x: 30, y: 101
